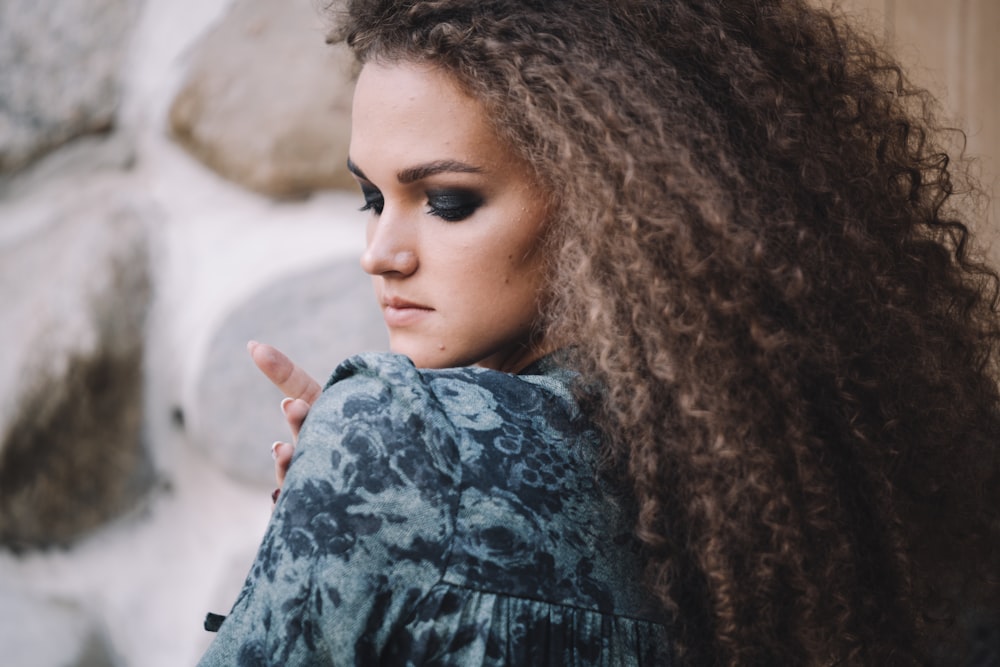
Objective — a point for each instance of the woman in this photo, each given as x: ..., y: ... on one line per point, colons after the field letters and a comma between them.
x: 729, y: 229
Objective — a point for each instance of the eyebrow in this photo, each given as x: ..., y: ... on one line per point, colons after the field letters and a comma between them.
x: 422, y: 171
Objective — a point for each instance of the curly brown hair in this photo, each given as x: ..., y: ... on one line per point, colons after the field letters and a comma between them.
x: 760, y: 258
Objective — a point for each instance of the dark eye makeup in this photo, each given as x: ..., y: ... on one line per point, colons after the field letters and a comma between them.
x: 451, y: 205
x: 373, y: 200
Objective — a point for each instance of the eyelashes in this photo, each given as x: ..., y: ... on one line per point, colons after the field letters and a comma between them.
x: 373, y: 200
x: 450, y: 205
x: 453, y: 205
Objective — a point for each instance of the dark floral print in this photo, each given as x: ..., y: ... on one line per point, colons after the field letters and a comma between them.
x: 444, y: 517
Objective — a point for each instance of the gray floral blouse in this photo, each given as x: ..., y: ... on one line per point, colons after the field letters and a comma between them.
x: 444, y: 517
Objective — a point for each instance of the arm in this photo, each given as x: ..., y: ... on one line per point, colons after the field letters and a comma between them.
x: 360, y: 533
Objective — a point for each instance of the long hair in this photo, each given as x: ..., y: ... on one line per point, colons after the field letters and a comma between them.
x: 761, y: 259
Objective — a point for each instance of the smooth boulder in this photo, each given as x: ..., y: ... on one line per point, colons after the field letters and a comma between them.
x: 318, y: 317
x: 266, y: 102
x: 76, y: 282
x: 60, y: 72
x: 43, y: 631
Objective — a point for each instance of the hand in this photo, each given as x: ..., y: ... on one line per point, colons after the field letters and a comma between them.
x: 300, y: 391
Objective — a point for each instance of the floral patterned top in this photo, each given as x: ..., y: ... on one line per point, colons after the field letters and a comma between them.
x: 444, y: 517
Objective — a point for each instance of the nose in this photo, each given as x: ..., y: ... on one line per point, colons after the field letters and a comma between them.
x: 391, y: 248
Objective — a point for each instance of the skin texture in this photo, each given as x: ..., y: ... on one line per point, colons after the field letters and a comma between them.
x: 454, y: 254
x: 478, y: 279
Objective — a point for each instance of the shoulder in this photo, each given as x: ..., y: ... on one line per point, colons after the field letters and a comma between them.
x: 390, y: 385
x: 378, y: 408
x: 377, y: 463
x: 377, y: 418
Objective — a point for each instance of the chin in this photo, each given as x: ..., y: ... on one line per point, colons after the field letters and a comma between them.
x: 422, y: 353
x: 422, y: 358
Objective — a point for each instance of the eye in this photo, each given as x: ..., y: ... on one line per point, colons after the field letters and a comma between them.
x: 453, y: 205
x: 373, y: 200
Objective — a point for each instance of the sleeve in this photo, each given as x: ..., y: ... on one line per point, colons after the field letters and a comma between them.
x: 360, y: 532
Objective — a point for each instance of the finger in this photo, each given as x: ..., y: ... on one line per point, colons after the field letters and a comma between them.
x: 284, y: 373
x: 295, y: 411
x: 282, y: 453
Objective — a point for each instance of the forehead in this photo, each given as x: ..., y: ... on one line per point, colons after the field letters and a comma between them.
x: 414, y: 112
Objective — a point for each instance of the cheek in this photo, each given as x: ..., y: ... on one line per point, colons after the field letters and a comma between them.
x: 522, y: 248
x: 503, y: 261
x: 520, y: 284
x: 523, y: 265
x: 526, y: 261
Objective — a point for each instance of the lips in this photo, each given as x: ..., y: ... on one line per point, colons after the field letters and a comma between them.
x: 400, y: 312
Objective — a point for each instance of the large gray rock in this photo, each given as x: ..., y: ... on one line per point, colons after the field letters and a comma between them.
x: 60, y: 66
x: 74, y: 284
x: 317, y: 317
x: 267, y: 102
x: 45, y: 632
x: 56, y: 179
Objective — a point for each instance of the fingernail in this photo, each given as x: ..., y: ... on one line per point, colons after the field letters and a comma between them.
x: 274, y: 450
x: 285, y: 402
x: 251, y: 345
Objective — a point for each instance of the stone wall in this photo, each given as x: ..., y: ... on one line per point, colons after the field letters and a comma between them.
x: 171, y: 186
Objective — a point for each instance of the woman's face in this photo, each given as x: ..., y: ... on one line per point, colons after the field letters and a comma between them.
x: 453, y: 237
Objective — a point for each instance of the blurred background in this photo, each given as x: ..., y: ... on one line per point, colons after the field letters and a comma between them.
x: 172, y: 186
